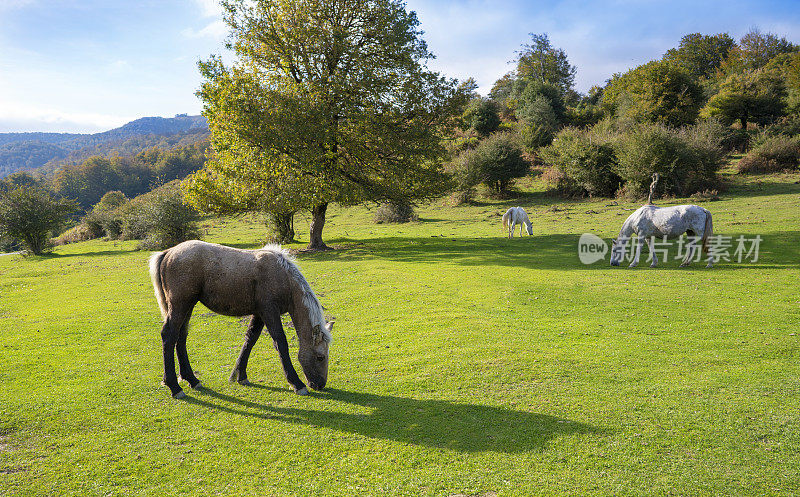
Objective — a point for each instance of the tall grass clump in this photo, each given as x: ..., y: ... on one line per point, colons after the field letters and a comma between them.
x: 776, y: 153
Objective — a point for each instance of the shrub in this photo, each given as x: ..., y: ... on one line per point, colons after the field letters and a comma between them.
x: 482, y: 115
x: 30, y: 214
x: 773, y: 154
x: 280, y: 227
x: 395, y: 212
x: 494, y: 162
x: 161, y: 218
x: 78, y: 233
x: 686, y: 160
x: 105, y: 218
x: 534, y: 136
x: 580, y: 165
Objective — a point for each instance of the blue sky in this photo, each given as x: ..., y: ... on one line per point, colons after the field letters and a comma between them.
x: 91, y: 65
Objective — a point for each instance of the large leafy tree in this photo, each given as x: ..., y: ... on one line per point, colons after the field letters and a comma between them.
x: 659, y: 91
x: 540, y: 62
x: 754, y: 51
x: 328, y: 100
x: 701, y: 55
x: 756, y: 96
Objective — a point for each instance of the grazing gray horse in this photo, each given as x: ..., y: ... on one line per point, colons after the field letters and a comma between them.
x: 515, y: 216
x: 264, y: 283
x: 651, y: 221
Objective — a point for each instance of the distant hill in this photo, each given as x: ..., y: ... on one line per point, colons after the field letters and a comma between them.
x: 26, y: 151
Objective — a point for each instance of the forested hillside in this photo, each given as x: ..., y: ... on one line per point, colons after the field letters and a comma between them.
x: 27, y: 151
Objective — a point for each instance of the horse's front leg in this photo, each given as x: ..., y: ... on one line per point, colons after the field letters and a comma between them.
x: 511, y: 231
x: 639, y: 242
x: 272, y: 319
x: 650, y: 243
x: 239, y: 373
x: 183, y: 356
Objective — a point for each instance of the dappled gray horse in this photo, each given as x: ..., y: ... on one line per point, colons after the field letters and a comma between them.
x: 264, y: 283
x: 650, y: 221
x: 515, y: 216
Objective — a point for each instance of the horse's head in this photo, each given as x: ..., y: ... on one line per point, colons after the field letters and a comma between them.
x: 529, y: 228
x: 313, y: 356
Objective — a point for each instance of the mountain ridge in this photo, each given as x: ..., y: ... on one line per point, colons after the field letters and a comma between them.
x: 25, y: 151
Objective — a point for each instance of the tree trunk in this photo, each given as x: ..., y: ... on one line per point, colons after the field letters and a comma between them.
x: 317, y: 223
x: 283, y: 226
x: 743, y: 121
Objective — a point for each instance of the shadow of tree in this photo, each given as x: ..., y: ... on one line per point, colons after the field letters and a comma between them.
x: 555, y: 251
x: 430, y: 423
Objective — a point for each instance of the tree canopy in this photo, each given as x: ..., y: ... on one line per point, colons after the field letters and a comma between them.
x: 328, y: 100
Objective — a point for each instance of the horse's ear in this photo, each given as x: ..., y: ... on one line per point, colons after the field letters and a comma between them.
x: 330, y: 326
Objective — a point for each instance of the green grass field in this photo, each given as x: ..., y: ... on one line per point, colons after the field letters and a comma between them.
x: 462, y: 363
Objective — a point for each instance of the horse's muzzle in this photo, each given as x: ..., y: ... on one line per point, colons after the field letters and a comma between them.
x: 317, y: 385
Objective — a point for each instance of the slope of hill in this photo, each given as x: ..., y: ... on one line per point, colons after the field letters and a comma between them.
x: 26, y: 151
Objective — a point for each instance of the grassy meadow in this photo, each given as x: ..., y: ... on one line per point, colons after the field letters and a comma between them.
x: 462, y: 363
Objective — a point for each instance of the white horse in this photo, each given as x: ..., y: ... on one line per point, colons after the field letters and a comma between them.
x: 515, y: 216
x: 650, y: 221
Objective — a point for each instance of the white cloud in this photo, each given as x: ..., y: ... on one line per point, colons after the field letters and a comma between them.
x: 210, y: 8
x: 14, y: 4
x: 16, y: 116
x: 216, y: 30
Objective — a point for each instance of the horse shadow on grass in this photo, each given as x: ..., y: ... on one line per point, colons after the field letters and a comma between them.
x: 431, y: 423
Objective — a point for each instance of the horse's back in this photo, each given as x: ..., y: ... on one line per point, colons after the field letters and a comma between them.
x: 227, y: 280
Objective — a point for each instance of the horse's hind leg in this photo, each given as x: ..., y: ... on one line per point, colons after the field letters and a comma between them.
x: 239, y: 373
x: 639, y: 243
x: 272, y: 319
x: 183, y: 356
x: 169, y: 339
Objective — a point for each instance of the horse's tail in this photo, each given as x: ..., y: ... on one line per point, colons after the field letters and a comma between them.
x: 506, y: 220
x: 158, y: 286
x: 708, y: 230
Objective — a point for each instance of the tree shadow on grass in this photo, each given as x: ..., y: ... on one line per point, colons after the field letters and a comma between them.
x: 104, y: 253
x: 431, y: 423
x: 555, y: 251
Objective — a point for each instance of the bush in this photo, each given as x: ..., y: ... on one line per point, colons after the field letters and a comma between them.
x: 580, y: 165
x: 395, y: 212
x: 687, y: 160
x: 31, y: 214
x: 773, y: 154
x: 161, y: 218
x: 105, y: 218
x: 280, y: 227
x: 534, y: 136
x: 482, y: 115
x: 494, y: 162
x: 79, y: 233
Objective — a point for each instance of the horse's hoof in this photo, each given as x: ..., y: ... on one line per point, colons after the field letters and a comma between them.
x: 302, y: 391
x: 199, y: 386
x: 244, y: 382
x: 180, y: 395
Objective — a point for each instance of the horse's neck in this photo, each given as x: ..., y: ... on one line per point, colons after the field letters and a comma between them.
x: 627, y: 230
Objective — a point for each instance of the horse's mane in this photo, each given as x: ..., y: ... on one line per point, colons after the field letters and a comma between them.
x: 315, y: 312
